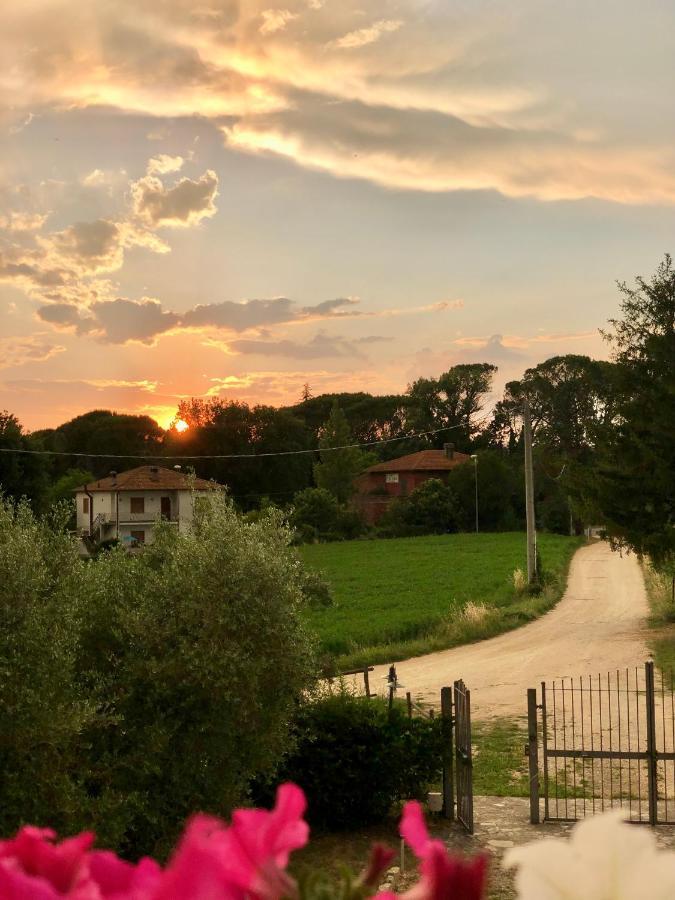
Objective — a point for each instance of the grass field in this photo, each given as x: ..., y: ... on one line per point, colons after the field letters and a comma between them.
x: 406, y: 596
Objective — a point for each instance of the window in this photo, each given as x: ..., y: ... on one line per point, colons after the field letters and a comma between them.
x: 391, y: 478
x: 138, y: 504
x: 138, y: 536
x: 85, y: 505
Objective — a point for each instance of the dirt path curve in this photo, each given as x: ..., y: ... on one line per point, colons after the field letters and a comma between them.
x: 598, y: 626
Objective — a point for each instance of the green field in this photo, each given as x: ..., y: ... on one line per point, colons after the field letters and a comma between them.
x: 405, y: 596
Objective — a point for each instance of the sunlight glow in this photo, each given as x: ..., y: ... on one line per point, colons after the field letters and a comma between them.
x: 181, y: 425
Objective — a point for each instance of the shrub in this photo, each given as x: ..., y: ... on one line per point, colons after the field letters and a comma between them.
x: 317, y: 515
x: 138, y: 688
x: 315, y: 509
x: 430, y: 509
x: 354, y: 758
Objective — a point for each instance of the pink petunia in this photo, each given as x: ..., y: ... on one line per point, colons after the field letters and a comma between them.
x: 246, y: 859
x: 444, y: 876
x: 32, y: 865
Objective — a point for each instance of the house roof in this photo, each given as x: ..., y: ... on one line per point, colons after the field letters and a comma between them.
x: 150, y: 478
x: 423, y: 460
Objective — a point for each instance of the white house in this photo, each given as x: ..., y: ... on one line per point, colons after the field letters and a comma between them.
x: 126, y: 505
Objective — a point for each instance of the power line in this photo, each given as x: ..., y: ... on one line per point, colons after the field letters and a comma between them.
x: 406, y: 437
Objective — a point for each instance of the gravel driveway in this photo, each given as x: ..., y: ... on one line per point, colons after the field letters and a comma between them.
x: 598, y: 626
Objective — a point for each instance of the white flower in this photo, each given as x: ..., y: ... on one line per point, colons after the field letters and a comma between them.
x: 605, y: 859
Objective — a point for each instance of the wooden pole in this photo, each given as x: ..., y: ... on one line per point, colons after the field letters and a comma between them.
x: 408, y: 699
x: 529, y: 496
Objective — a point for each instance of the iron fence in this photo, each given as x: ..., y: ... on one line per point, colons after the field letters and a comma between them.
x: 606, y: 741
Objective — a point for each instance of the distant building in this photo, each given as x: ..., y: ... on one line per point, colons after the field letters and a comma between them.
x: 126, y: 505
x: 383, y: 482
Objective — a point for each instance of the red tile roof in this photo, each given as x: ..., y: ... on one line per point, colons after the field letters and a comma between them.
x: 424, y: 460
x: 150, y: 478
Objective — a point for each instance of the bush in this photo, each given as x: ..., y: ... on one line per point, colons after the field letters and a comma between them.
x: 317, y: 515
x: 139, y: 688
x: 430, y: 509
x: 354, y: 759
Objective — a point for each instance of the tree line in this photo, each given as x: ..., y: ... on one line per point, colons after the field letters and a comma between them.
x: 604, y: 436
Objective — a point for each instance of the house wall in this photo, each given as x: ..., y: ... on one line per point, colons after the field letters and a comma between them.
x: 101, y: 503
x: 107, y: 503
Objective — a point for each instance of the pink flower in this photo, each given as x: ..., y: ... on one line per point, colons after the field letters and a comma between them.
x: 246, y: 859
x: 119, y: 880
x: 33, y: 867
x: 444, y: 877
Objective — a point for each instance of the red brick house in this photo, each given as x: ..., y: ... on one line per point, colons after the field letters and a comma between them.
x: 381, y: 483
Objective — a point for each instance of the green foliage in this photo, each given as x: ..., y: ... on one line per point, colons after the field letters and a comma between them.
x: 431, y: 508
x: 316, y: 589
x: 317, y: 516
x: 134, y: 688
x: 338, y: 468
x: 500, y: 489
x: 632, y: 485
x: 42, y: 711
x: 355, y: 759
x: 453, y: 400
x: 406, y: 596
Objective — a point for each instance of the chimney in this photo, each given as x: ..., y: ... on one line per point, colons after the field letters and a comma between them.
x: 113, y: 475
x: 449, y: 450
x: 154, y: 473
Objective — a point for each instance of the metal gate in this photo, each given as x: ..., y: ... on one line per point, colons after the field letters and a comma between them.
x: 463, y: 762
x: 604, y: 741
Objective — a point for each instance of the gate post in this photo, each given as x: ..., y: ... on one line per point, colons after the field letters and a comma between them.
x: 533, y: 754
x: 448, y: 781
x: 652, y: 786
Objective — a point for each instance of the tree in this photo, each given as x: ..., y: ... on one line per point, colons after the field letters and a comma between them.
x: 21, y: 474
x: 431, y: 508
x: 451, y: 402
x: 338, y: 468
x: 632, y: 486
x: 500, y: 493
x: 136, y: 690
x: 571, y: 398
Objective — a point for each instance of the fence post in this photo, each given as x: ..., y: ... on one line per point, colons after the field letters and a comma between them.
x: 366, y: 682
x: 652, y: 785
x: 448, y: 780
x: 532, y: 751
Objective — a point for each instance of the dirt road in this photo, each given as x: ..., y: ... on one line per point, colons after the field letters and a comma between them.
x: 598, y: 626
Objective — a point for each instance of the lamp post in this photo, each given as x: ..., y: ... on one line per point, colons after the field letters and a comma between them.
x: 474, y: 457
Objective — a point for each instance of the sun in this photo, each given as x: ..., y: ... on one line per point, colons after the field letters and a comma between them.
x: 181, y: 425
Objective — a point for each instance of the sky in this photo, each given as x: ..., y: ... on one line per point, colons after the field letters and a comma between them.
x: 229, y: 199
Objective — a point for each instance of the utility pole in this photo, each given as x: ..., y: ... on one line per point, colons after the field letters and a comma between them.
x: 529, y: 496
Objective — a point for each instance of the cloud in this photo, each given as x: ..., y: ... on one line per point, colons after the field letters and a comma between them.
x: 122, y: 320
x: 164, y: 164
x: 321, y: 346
x: 65, y: 267
x: 275, y: 20
x: 16, y: 351
x: 363, y: 36
x: 22, y: 221
x: 245, y: 314
x: 183, y: 205
x: 469, y: 97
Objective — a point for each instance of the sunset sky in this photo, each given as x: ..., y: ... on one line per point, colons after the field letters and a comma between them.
x: 212, y: 198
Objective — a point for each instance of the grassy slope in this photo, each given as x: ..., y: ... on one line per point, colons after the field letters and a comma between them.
x: 659, y: 594
x: 403, y: 597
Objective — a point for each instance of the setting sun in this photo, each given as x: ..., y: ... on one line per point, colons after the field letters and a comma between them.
x: 181, y: 425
